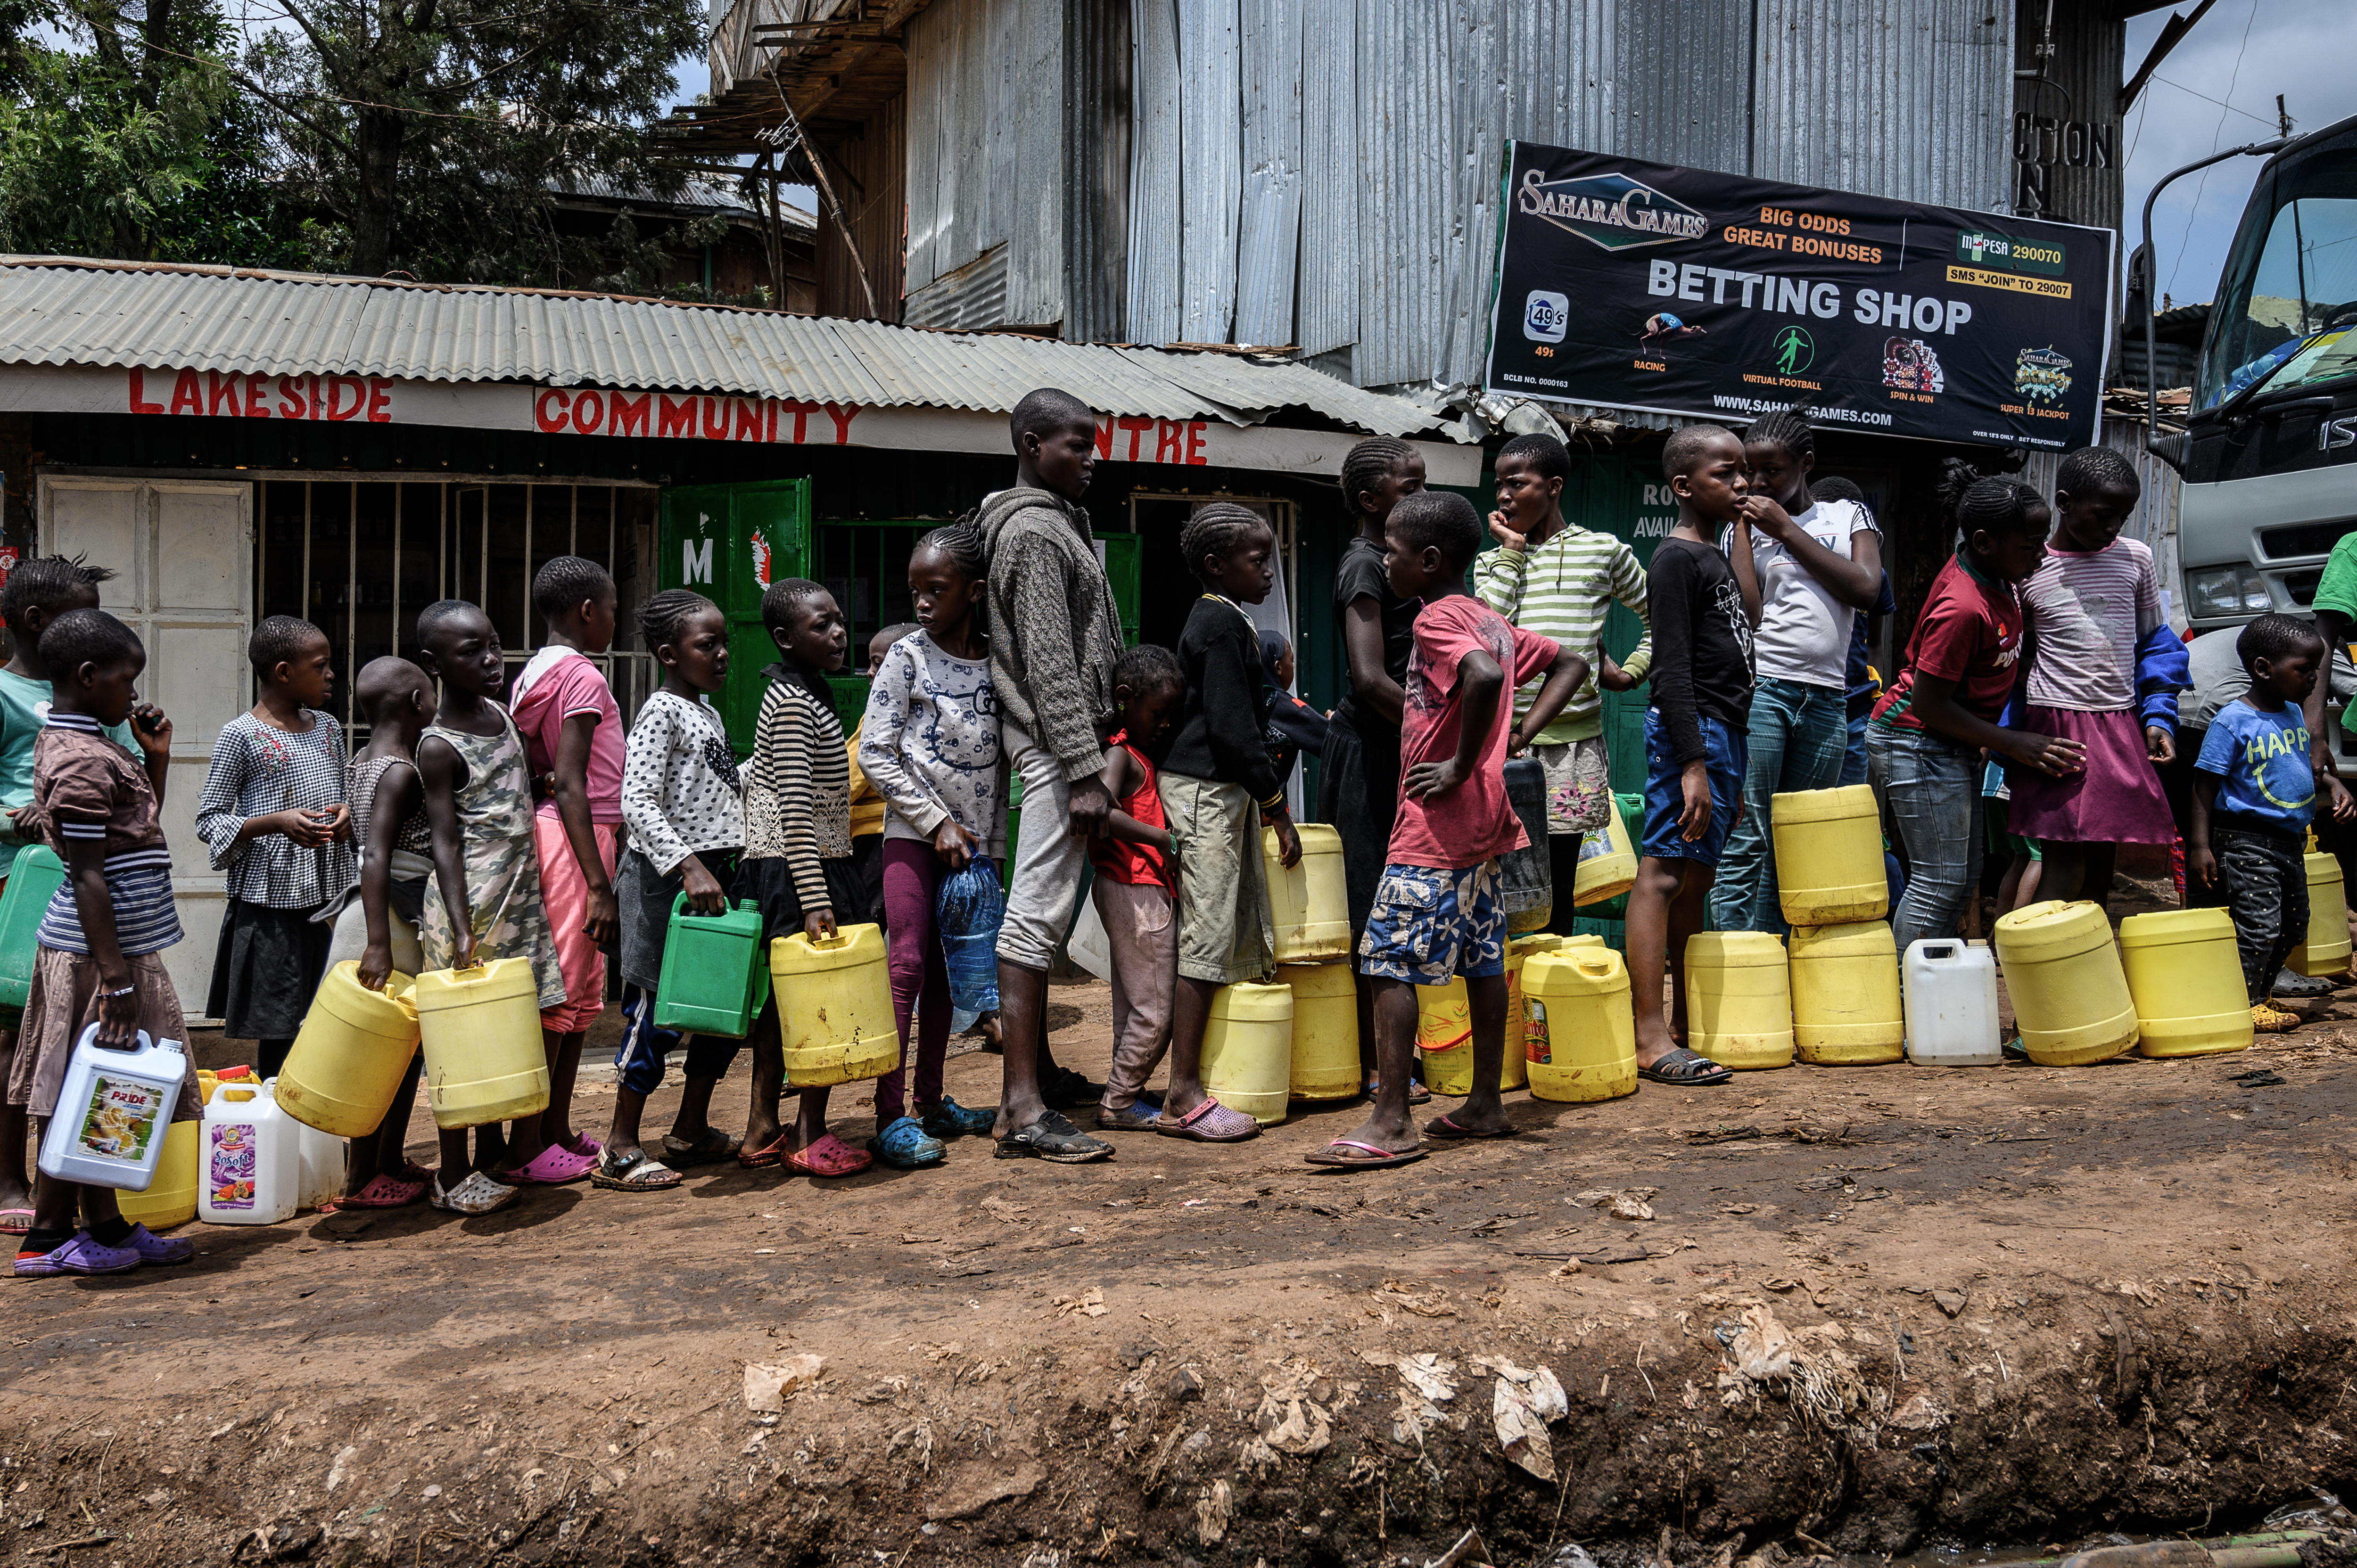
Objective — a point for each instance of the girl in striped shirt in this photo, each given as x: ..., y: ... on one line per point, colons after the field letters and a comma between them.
x: 798, y: 862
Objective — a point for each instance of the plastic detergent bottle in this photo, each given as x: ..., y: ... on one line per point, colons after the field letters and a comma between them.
x: 1607, y: 862
x: 2325, y: 950
x: 113, y: 1109
x: 1526, y: 875
x: 1846, y: 1009
x: 1739, y: 999
x: 1829, y: 868
x: 1444, y: 1033
x: 1308, y: 904
x: 1951, y: 993
x: 250, y: 1165
x: 481, y: 1031
x: 2185, y: 975
x: 1325, y: 1030
x: 1519, y: 953
x: 712, y: 980
x: 33, y: 881
x: 348, y: 1063
x: 1579, y: 1037
x: 2070, y: 994
x: 1248, y: 1050
x: 834, y: 1007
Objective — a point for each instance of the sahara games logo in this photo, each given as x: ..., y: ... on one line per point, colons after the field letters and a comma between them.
x: 2042, y: 373
x: 1609, y: 210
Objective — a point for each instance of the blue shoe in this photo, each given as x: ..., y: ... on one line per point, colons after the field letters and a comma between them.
x: 948, y: 1118
x: 903, y: 1143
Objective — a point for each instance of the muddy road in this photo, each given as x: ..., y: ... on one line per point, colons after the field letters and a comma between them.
x: 1879, y: 1309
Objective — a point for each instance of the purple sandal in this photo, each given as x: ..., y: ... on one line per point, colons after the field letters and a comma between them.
x: 1209, y: 1123
x: 555, y: 1165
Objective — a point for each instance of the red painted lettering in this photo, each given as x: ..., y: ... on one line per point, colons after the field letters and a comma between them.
x: 218, y: 390
x: 337, y: 387
x: 379, y: 403
x: 715, y: 418
x: 257, y: 401
x: 769, y: 419
x: 139, y: 404
x: 1166, y: 441
x: 186, y: 395
x: 675, y: 418
x: 588, y: 412
x: 627, y: 416
x: 291, y: 403
x: 550, y: 424
x: 749, y: 419
x: 842, y: 417
x: 1137, y: 427
x: 1104, y: 439
x: 802, y: 412
x: 1195, y: 443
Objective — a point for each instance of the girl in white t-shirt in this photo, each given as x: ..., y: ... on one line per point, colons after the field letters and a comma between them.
x: 1819, y: 565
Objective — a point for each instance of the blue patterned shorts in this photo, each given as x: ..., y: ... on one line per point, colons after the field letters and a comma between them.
x: 1429, y: 926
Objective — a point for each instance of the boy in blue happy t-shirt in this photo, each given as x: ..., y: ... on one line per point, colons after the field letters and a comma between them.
x: 2252, y: 796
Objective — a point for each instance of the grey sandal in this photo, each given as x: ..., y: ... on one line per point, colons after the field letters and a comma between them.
x: 1052, y: 1138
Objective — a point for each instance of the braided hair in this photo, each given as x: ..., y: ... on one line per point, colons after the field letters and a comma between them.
x: 1149, y: 667
x: 664, y: 617
x: 1219, y: 529
x: 1367, y: 464
x: 1786, y: 427
x: 961, y: 544
x: 2093, y: 468
x: 1981, y: 505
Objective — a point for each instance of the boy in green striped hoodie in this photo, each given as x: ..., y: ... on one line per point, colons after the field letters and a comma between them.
x: 1558, y: 579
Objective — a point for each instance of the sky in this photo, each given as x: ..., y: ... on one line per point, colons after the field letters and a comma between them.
x: 2217, y: 89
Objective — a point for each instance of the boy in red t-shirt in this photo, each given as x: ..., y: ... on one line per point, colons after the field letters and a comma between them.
x: 1436, y: 914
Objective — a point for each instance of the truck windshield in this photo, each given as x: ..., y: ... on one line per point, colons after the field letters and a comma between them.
x: 2286, y: 312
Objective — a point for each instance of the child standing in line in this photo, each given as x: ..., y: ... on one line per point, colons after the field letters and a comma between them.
x: 275, y: 818
x: 1214, y: 772
x: 37, y: 592
x: 797, y: 860
x: 1560, y: 580
x: 684, y: 800
x: 1135, y: 887
x: 1294, y: 727
x: 1865, y: 629
x: 102, y: 937
x: 2088, y: 606
x: 867, y: 806
x: 1358, y: 778
x: 1818, y: 563
x: 378, y: 930
x: 1942, y: 710
x: 477, y: 785
x: 929, y: 741
x: 1437, y: 914
x: 571, y: 729
x: 1704, y: 606
x: 2253, y: 795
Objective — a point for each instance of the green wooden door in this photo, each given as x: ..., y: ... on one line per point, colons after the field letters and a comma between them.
x: 730, y: 542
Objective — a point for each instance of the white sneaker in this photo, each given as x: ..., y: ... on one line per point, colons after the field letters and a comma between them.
x: 478, y: 1194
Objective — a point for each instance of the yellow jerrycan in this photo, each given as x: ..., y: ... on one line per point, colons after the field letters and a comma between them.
x: 347, y: 1062
x: 1846, y: 1008
x: 480, y: 1030
x: 2325, y: 950
x: 1829, y: 856
x: 1739, y: 999
x: 1325, y: 1062
x: 1607, y: 862
x: 1520, y: 951
x: 1444, y: 1033
x: 834, y: 1007
x: 171, y: 1199
x: 1579, y: 1039
x: 1308, y: 905
x: 2185, y: 975
x: 2070, y: 994
x: 1248, y: 1050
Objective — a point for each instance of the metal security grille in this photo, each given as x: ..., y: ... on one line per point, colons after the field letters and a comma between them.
x: 360, y: 558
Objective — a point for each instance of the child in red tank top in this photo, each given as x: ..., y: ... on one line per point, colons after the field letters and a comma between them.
x: 1132, y: 890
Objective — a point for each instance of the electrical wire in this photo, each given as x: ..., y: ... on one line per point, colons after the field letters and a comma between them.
x: 2193, y: 209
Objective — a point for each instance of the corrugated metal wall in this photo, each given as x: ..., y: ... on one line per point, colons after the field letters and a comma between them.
x: 2081, y: 86
x: 874, y: 196
x: 1270, y: 236
x: 1097, y: 117
x: 1210, y: 180
x: 1333, y: 181
x: 1155, y: 220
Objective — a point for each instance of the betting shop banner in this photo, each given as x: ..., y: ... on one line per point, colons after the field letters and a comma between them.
x: 1670, y: 290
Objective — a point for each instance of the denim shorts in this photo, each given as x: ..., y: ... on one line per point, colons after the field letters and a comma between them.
x: 1723, y: 759
x: 1430, y: 925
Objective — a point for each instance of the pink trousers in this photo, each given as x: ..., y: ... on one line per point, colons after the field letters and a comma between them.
x: 566, y: 893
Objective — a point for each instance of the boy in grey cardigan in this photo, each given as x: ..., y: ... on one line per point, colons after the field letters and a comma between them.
x: 1054, y: 641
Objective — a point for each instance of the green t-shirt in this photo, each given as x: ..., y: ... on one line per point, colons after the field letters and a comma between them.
x: 24, y: 709
x: 2337, y: 591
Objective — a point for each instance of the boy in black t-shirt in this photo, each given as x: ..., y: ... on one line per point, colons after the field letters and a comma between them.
x: 1704, y: 608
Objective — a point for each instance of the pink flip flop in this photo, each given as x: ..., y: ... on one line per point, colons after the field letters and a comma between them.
x: 555, y: 1165
x: 584, y: 1145
x: 15, y: 1221
x: 829, y: 1156
x: 1209, y: 1123
x: 384, y: 1192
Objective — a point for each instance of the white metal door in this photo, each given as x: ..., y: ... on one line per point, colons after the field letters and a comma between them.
x: 183, y: 553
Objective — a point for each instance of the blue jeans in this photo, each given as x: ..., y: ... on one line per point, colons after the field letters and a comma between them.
x: 1797, y: 737
x: 1929, y: 789
x: 1665, y: 790
x: 1854, y: 754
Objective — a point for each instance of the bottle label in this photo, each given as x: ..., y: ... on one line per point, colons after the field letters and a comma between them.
x: 230, y: 1163
x: 1537, y: 1046
x: 119, y: 1122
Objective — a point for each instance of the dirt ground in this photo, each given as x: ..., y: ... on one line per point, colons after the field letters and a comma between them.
x: 2024, y: 1305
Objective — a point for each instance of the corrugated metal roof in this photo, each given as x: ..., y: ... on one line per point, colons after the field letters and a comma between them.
x: 71, y: 311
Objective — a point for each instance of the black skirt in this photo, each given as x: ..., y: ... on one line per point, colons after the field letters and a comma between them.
x: 1358, y: 794
x: 266, y: 970
x: 645, y: 896
x: 770, y: 883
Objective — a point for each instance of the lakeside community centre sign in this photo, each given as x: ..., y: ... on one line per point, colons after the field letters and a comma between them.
x: 1669, y: 290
